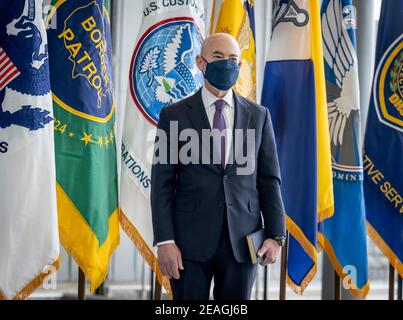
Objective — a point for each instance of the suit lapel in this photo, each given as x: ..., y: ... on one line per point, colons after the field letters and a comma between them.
x: 198, y: 116
x: 241, y: 121
x: 197, y: 113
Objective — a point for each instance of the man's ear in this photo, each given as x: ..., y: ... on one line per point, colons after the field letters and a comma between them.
x: 200, y: 63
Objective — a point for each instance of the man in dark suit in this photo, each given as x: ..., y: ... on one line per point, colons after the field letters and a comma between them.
x: 203, y: 210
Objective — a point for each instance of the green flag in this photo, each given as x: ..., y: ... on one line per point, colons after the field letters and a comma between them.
x: 82, y: 91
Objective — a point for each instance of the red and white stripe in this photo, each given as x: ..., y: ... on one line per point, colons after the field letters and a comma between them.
x: 8, y: 71
x: 347, y: 168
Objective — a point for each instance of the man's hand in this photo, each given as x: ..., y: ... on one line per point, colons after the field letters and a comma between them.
x: 271, y: 250
x: 170, y: 260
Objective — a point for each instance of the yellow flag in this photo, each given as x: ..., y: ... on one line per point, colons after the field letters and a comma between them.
x: 325, y: 180
x: 236, y: 17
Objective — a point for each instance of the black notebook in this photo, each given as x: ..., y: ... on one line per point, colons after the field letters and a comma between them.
x: 255, y: 241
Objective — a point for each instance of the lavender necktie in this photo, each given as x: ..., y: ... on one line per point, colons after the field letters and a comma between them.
x: 219, y: 123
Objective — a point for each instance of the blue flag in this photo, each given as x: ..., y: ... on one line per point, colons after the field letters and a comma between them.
x: 294, y: 91
x: 343, y: 236
x: 383, y: 151
x: 29, y: 239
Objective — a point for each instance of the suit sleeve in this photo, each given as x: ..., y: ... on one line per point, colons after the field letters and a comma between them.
x: 163, y: 179
x: 268, y: 180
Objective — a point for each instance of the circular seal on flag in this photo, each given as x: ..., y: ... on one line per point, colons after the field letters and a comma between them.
x: 81, y: 72
x: 388, y: 88
x: 163, y: 69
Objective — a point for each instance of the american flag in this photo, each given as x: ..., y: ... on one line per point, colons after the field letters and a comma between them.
x: 8, y: 71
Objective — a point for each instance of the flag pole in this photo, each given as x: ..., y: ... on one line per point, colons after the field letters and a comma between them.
x: 337, y: 287
x: 151, y: 285
x: 283, y: 272
x: 81, y: 284
x: 266, y: 276
x: 391, y: 282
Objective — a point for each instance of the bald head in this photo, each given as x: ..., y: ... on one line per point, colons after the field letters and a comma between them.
x: 222, y: 42
x: 218, y: 46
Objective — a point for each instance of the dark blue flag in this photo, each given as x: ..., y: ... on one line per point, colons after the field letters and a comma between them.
x: 383, y: 151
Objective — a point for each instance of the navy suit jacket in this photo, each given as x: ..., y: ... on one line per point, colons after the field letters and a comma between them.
x: 188, y: 201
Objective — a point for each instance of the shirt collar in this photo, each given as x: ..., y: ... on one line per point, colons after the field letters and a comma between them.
x: 209, y: 98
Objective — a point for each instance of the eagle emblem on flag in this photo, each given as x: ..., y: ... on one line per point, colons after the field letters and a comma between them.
x: 163, y: 70
x: 341, y: 82
x: 24, y: 68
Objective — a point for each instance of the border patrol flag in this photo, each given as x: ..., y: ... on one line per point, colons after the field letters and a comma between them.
x: 87, y: 186
x: 29, y: 242
x: 162, y: 71
x: 383, y: 148
x: 237, y: 17
x: 343, y: 236
x: 294, y: 91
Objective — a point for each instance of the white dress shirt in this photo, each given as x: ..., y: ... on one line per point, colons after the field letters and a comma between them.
x: 229, y: 113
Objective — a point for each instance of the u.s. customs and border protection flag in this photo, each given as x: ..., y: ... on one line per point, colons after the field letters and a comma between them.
x: 162, y: 71
x: 383, y: 147
x: 29, y: 242
x: 81, y: 78
x: 237, y: 17
x: 343, y: 236
x: 294, y: 91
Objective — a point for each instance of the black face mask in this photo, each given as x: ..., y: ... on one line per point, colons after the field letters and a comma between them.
x: 222, y: 74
